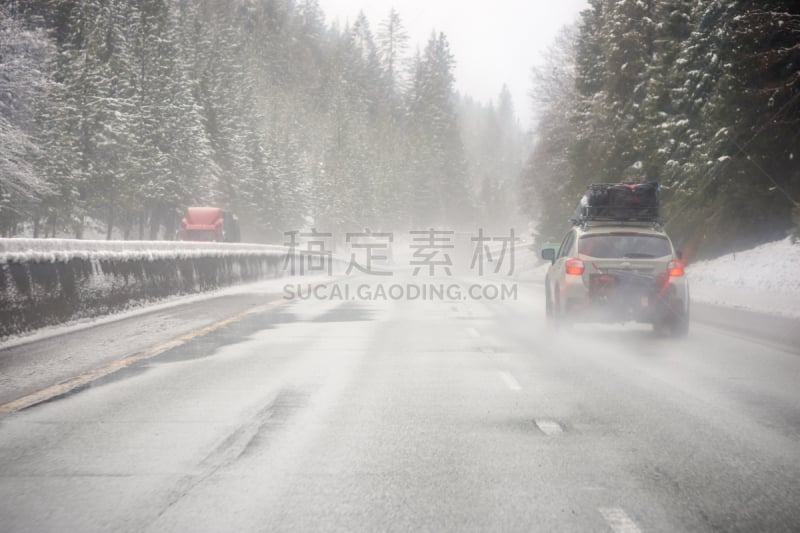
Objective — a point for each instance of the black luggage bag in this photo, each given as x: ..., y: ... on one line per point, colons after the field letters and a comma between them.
x: 622, y: 201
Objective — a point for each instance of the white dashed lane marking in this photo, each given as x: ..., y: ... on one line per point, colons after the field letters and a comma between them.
x: 618, y: 520
x: 549, y: 427
x: 510, y: 381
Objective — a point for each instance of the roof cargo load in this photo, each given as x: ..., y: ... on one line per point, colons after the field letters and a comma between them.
x: 620, y: 202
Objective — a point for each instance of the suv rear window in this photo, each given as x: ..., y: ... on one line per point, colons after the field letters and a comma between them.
x: 624, y: 245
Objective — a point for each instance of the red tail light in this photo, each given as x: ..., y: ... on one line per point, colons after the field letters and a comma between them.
x: 675, y: 268
x: 574, y: 267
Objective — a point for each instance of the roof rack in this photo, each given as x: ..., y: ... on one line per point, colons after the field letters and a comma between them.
x: 597, y: 223
x: 615, y: 212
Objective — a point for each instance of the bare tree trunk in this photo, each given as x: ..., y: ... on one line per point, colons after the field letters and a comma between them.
x: 126, y: 225
x: 78, y: 227
x: 36, y: 227
x: 155, y: 222
x: 169, y: 224
x: 142, y: 217
x: 110, y: 227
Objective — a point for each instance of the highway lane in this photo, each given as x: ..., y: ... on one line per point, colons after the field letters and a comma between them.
x: 407, y: 415
x: 32, y: 366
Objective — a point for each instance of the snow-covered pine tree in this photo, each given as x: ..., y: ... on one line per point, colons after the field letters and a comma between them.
x: 172, y: 153
x: 549, y: 185
x: 441, y: 191
x: 26, y: 55
x: 393, y: 192
x: 755, y: 181
x: 93, y: 116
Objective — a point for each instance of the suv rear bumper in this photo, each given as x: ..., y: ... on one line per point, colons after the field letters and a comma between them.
x: 646, y: 304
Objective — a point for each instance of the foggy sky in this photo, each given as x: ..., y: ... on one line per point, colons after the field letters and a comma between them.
x: 494, y: 42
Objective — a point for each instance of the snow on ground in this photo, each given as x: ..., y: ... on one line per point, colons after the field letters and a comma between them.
x: 764, y: 279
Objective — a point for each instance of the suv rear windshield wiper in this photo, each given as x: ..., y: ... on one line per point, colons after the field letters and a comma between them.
x: 635, y: 255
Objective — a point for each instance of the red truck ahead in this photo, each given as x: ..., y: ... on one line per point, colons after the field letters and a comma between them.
x: 209, y: 224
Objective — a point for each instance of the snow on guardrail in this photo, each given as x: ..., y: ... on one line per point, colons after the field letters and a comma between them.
x: 49, y: 281
x: 44, y: 250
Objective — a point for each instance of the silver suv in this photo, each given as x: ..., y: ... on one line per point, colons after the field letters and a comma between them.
x: 617, y: 272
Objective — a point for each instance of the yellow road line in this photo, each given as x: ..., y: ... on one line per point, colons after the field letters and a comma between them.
x: 87, y: 377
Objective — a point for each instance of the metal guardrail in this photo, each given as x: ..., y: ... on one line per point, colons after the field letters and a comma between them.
x: 49, y: 281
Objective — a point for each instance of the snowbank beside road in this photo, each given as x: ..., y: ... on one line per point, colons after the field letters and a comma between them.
x: 764, y: 279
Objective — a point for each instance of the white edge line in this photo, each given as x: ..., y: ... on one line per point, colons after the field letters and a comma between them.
x: 618, y: 520
x: 549, y: 427
x: 510, y: 381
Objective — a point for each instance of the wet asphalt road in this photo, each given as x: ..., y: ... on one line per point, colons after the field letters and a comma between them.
x: 401, y: 416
